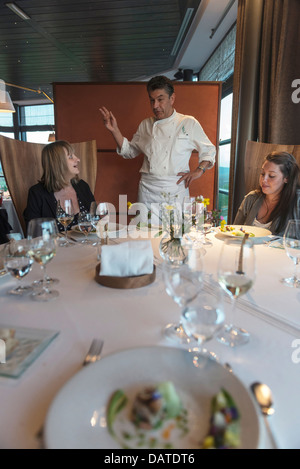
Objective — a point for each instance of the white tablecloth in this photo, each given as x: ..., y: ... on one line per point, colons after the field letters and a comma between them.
x: 131, y: 318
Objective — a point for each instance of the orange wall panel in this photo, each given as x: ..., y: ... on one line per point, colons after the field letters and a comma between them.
x: 77, y: 118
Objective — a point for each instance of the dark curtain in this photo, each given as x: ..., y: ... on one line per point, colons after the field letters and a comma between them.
x: 266, y: 72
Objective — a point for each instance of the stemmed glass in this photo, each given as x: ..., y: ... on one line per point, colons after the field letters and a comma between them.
x: 65, y: 215
x: 85, y: 225
x: 193, y: 212
x: 203, y: 318
x: 41, y: 233
x: 18, y: 263
x: 206, y: 227
x: 100, y: 212
x: 236, y: 274
x: 183, y: 282
x: 291, y: 242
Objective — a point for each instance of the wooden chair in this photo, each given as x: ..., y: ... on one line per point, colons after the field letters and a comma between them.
x: 255, y: 153
x: 22, y: 168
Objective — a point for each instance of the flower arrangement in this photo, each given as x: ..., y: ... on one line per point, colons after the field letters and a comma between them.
x: 173, y: 228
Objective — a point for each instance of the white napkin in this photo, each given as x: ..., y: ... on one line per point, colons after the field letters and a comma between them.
x: 127, y: 259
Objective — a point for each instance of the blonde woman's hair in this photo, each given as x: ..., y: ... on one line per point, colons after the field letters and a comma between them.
x: 55, y: 166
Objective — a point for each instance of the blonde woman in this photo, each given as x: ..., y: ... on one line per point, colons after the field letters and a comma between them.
x: 60, y: 180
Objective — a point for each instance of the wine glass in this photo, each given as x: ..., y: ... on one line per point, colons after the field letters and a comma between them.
x: 85, y: 225
x: 202, y: 319
x: 65, y: 215
x: 236, y: 274
x: 18, y: 263
x: 206, y: 227
x: 42, y: 249
x: 183, y: 282
x: 193, y: 213
x: 99, y: 213
x: 291, y: 242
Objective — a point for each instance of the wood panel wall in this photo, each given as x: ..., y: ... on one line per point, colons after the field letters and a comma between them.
x: 77, y: 118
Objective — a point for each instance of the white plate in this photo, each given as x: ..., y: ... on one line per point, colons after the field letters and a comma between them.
x: 114, y: 230
x: 257, y: 231
x: 77, y: 416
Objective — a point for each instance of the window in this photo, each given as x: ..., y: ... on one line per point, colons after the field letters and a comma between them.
x: 6, y: 129
x: 224, y: 153
x: 36, y: 122
x: 31, y: 123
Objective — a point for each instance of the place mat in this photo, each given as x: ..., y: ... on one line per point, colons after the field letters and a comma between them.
x: 31, y: 343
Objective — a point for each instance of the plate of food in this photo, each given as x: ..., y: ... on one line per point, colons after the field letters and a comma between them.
x: 238, y: 231
x: 153, y: 398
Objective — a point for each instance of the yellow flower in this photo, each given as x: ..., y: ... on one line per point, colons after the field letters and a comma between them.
x: 206, y: 202
x: 129, y: 204
x: 223, y: 223
x: 169, y: 207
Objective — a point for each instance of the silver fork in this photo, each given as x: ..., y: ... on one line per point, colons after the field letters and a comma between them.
x: 94, y: 352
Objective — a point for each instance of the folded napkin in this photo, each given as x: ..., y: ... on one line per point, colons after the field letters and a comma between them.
x: 127, y: 259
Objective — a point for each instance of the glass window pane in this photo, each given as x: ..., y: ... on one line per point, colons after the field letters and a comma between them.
x: 38, y: 137
x: 224, y: 162
x: 225, y: 118
x: 39, y: 115
x: 6, y: 119
x: 224, y: 168
x: 8, y: 134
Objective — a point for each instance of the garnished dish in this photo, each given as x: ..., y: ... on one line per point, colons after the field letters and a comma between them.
x: 224, y: 431
x: 156, y: 417
x: 240, y: 231
x: 149, y: 398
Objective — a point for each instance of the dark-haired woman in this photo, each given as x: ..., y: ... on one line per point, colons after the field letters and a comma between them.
x: 275, y: 202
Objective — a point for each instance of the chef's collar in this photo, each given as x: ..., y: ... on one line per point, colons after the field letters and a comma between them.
x: 167, y: 119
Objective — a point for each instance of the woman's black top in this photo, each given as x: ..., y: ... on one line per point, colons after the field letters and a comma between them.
x: 42, y: 204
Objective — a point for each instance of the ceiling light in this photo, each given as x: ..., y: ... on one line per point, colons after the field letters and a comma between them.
x: 6, y: 104
x: 13, y: 7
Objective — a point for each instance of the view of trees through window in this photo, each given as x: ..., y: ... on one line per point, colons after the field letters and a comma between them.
x: 224, y: 153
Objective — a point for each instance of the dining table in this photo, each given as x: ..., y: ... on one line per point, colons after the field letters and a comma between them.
x: 134, y: 318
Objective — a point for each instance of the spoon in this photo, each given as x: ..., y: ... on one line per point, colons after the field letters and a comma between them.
x: 263, y: 396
